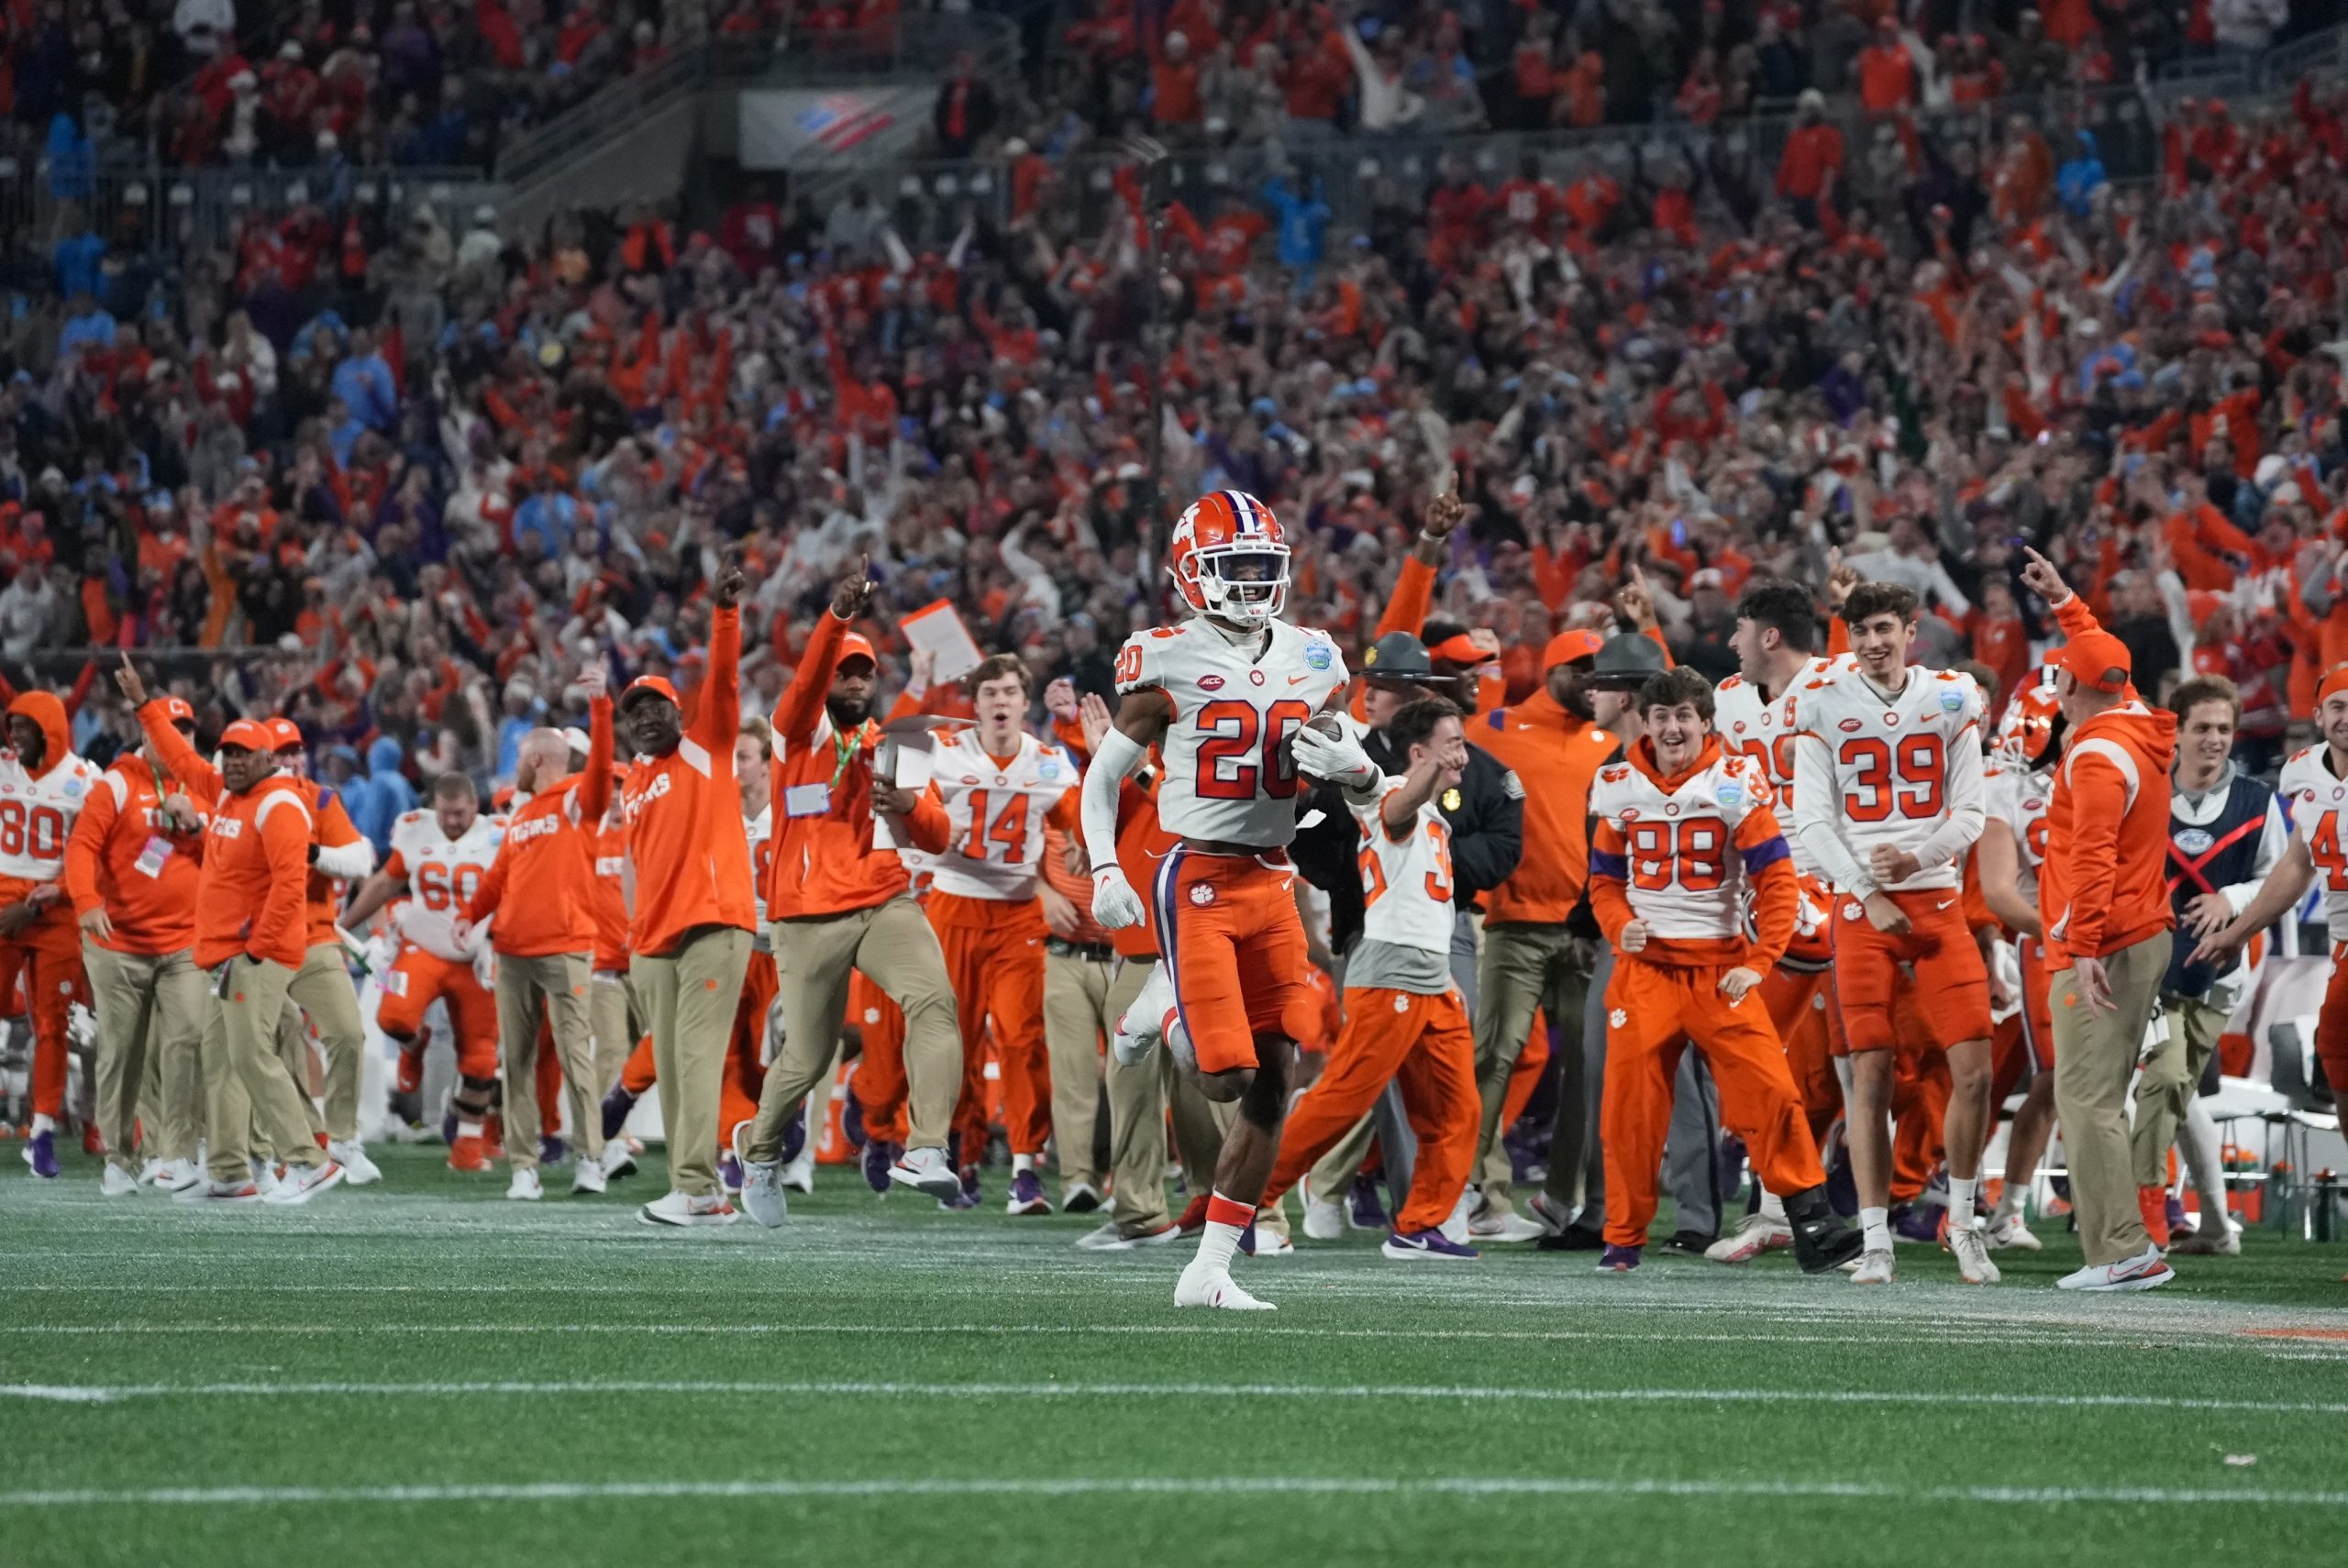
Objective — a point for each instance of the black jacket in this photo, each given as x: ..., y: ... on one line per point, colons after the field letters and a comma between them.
x: 1487, y: 819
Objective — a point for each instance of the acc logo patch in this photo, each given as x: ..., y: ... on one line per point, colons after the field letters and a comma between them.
x: 2193, y: 840
x: 1740, y: 726
x: 1317, y: 655
x: 1852, y: 726
x: 1630, y: 813
x: 2033, y: 804
x: 1202, y: 895
x: 1210, y: 682
x: 1451, y: 799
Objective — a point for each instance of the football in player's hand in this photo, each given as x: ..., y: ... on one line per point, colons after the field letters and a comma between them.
x: 1324, y: 725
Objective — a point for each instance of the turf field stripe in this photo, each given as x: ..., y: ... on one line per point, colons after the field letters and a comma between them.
x: 105, y: 1394
x: 1225, y: 1485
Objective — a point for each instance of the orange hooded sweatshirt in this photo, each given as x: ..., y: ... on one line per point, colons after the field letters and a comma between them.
x: 548, y: 854
x: 684, y: 814
x: 1556, y: 755
x: 123, y: 859
x: 2104, y: 886
x: 55, y: 922
x: 252, y: 895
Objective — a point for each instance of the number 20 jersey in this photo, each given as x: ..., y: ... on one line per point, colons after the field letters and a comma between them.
x: 1897, y: 769
x: 2318, y: 803
x: 1227, y: 775
x: 442, y: 876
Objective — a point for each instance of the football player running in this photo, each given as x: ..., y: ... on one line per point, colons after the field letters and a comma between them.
x: 1226, y: 697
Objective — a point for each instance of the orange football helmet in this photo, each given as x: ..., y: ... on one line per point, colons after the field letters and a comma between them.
x: 1229, y: 558
x: 2031, y: 726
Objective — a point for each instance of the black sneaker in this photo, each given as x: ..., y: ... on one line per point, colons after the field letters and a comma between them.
x: 1572, y: 1238
x: 1823, y: 1243
x: 1688, y: 1244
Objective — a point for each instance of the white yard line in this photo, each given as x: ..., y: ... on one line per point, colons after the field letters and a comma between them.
x: 107, y: 1394
x: 1180, y: 1486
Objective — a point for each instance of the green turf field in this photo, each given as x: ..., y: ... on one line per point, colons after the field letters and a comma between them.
x: 423, y: 1374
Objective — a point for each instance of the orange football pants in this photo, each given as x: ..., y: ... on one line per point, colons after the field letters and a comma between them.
x: 1234, y: 946
x: 1951, y: 984
x: 47, y: 955
x: 996, y: 971
x: 1797, y: 1012
x: 2332, y: 1025
x: 410, y: 987
x: 878, y: 1083
x: 1422, y: 1043
x: 1653, y: 1013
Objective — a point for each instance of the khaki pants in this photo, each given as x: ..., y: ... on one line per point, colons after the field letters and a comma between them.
x: 2095, y: 1055
x: 245, y: 1084
x: 321, y: 987
x: 893, y: 944
x: 292, y: 1044
x: 617, y: 1024
x: 2172, y: 1076
x: 150, y: 1026
x: 558, y: 984
x: 688, y: 999
x: 1525, y: 967
x: 1139, y: 1099
x: 1076, y: 1020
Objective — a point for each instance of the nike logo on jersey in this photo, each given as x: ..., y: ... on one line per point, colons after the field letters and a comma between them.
x: 1298, y: 679
x: 1943, y: 903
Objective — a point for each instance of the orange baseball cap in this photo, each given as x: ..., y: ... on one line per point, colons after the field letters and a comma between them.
x: 246, y: 734
x: 2337, y: 680
x: 285, y: 734
x: 176, y: 710
x: 1461, y: 649
x: 1568, y: 646
x: 2097, y: 660
x: 856, y: 645
x: 656, y: 684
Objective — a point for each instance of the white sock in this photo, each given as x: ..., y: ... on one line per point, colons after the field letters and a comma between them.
x: 2197, y: 1137
x: 1772, y: 1207
x: 468, y: 1129
x: 43, y: 1124
x: 1022, y: 1163
x: 1217, y: 1243
x: 2010, y: 1201
x: 1877, y: 1225
x: 1960, y: 1199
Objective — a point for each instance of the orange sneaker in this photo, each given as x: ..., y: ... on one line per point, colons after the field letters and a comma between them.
x: 469, y: 1153
x: 2151, y: 1202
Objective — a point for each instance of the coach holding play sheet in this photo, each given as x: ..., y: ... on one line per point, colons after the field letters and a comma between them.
x: 2103, y: 894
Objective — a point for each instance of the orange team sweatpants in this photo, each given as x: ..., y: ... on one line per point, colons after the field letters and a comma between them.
x: 1799, y: 1013
x: 995, y: 962
x: 1921, y: 1089
x: 1653, y: 1013
x: 1423, y: 1044
x: 737, y: 1091
x: 47, y: 955
x: 878, y: 1083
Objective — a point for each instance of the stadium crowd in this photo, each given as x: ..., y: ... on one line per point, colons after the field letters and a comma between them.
x: 421, y: 493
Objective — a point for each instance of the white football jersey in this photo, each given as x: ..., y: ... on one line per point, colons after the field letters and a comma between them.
x: 1406, y: 885
x: 443, y: 875
x: 1752, y: 727
x: 996, y: 811
x: 761, y: 833
x: 37, y: 815
x: 2317, y: 800
x: 1682, y: 869
x: 2017, y: 799
x: 1228, y: 778
x: 1894, y: 772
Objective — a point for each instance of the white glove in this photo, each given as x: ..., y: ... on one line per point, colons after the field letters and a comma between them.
x: 1115, y: 903
x: 1340, y: 761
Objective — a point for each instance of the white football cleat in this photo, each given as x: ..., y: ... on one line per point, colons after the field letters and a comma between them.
x: 1875, y: 1268
x: 1144, y: 1023
x: 2010, y: 1230
x: 116, y: 1181
x: 1971, y: 1252
x: 680, y: 1210
x: 525, y: 1188
x: 357, y: 1170
x: 1323, y: 1220
x: 1504, y: 1226
x: 926, y: 1171
x: 1204, y: 1286
x: 587, y: 1177
x: 179, y: 1175
x: 299, y: 1184
x: 2143, y: 1272
x: 1757, y: 1234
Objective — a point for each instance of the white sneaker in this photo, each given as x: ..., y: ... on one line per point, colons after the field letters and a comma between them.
x: 1323, y: 1220
x: 1971, y: 1252
x: 1758, y: 1233
x: 618, y: 1160
x: 264, y: 1174
x: 2143, y: 1272
x: 179, y: 1175
x: 227, y: 1192
x: 1202, y: 1286
x: 525, y: 1188
x: 149, y: 1171
x: 1504, y: 1226
x: 1455, y: 1229
x: 587, y: 1175
x: 925, y: 1170
x: 679, y: 1210
x: 2008, y: 1231
x: 1272, y: 1245
x: 1875, y: 1268
x: 116, y: 1181
x: 299, y: 1184
x: 1108, y: 1238
x: 762, y: 1182
x: 799, y: 1175
x: 1143, y: 1024
x: 357, y: 1170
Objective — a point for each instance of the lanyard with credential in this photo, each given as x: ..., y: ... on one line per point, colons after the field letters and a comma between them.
x: 845, y: 747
